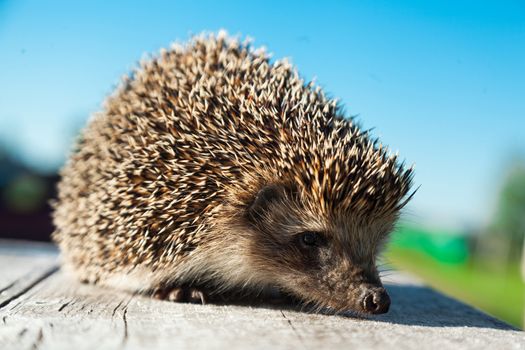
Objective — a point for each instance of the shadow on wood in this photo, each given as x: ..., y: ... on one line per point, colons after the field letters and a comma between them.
x: 412, y: 305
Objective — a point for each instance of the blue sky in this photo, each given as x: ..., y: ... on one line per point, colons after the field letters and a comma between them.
x: 443, y: 82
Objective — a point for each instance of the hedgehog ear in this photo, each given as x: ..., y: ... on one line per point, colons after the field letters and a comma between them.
x: 262, y: 201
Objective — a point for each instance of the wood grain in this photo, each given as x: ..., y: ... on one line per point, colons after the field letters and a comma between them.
x: 42, y: 308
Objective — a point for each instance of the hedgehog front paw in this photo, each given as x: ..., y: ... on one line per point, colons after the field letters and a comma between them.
x: 170, y: 294
x: 182, y: 295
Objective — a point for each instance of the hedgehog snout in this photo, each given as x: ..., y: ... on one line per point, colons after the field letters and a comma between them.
x: 374, y: 299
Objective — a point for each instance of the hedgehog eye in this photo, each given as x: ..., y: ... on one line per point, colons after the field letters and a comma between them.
x: 310, y: 239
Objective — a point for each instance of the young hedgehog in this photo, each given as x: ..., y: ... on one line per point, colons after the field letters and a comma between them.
x: 213, y: 170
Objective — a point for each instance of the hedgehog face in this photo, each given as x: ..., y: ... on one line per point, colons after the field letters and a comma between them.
x: 324, y: 259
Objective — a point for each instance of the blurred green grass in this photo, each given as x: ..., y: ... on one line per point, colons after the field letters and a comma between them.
x: 447, y: 266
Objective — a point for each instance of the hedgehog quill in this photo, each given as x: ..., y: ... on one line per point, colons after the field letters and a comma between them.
x: 213, y: 169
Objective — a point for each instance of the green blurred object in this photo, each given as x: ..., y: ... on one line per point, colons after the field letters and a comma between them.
x: 510, y: 216
x: 443, y: 261
x: 25, y: 194
x: 447, y: 247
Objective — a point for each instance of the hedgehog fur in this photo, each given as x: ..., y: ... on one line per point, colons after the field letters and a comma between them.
x: 212, y: 166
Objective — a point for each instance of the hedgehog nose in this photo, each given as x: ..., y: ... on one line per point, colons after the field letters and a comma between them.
x: 376, y: 301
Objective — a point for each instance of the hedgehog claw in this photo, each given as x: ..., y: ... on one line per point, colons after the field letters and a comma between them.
x: 197, y: 296
x: 181, y: 295
x: 176, y: 295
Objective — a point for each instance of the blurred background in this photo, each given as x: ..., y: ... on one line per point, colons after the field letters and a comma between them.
x: 443, y: 82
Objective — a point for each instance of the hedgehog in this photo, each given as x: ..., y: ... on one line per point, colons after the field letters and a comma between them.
x: 215, y: 169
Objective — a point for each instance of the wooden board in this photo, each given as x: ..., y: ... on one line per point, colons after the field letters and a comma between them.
x: 41, y: 308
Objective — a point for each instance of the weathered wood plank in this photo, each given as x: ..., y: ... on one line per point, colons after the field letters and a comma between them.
x: 59, y: 313
x: 21, y: 268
